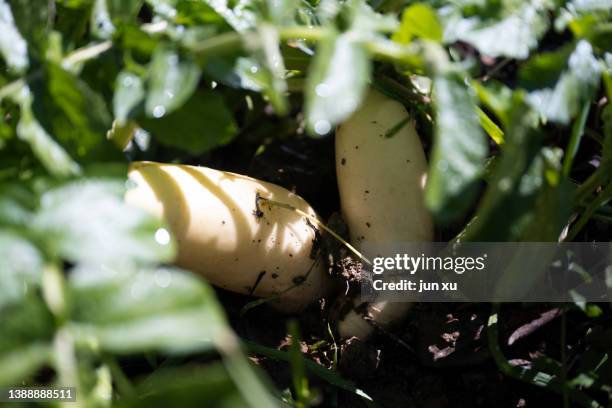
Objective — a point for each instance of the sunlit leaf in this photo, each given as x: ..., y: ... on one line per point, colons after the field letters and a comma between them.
x: 173, y: 79
x: 576, y: 84
x: 20, y: 269
x: 513, y: 35
x: 47, y: 150
x: 70, y: 110
x: 101, y: 22
x: 333, y: 92
x: 33, y: 19
x: 129, y: 93
x: 419, y: 20
x: 27, y: 329
x: 23, y: 362
x: 88, y: 222
x: 264, y: 44
x: 12, y: 45
x: 165, y: 309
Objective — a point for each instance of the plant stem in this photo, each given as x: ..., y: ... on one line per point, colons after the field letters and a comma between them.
x: 86, y: 53
x: 564, y: 386
x: 11, y: 88
x: 576, y: 136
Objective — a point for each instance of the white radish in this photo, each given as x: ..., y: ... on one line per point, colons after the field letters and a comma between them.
x: 381, y: 169
x: 226, y: 234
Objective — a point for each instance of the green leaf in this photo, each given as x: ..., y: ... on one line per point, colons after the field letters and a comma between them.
x: 27, y: 329
x: 553, y: 205
x: 496, y: 97
x: 172, y: 80
x: 16, y: 204
x: 187, y: 387
x: 13, y: 47
x: 101, y: 23
x: 421, y: 21
x: 513, y: 34
x: 334, y: 92
x: 125, y: 11
x: 47, y: 150
x: 327, y: 375
x: 201, y: 124
x: 68, y: 108
x: 34, y: 20
x: 281, y: 12
x: 20, y: 269
x: 591, y: 5
x: 88, y: 222
x: 544, y: 69
x: 239, y: 14
x: 129, y: 93
x: 459, y: 151
x: 506, y: 208
x: 197, y: 13
x: 167, y: 310
x: 264, y: 44
x: 575, y: 86
x: 23, y: 362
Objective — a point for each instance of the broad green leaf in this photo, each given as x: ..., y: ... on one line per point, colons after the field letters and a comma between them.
x: 333, y: 92
x: 506, y: 208
x: 88, y: 222
x: 15, y: 333
x: 544, y: 69
x: 197, y: 13
x: 34, y: 20
x: 47, y: 150
x: 13, y: 47
x: 367, y: 23
x: 514, y: 34
x: 166, y: 310
x: 421, y: 21
x: 101, y: 23
x: 281, y: 12
x: 459, y: 151
x: 125, y: 11
x: 27, y: 329
x: 20, y: 268
x: 133, y: 39
x: 264, y: 44
x: 553, y: 205
x: 129, y: 93
x: 72, y: 20
x: 23, y: 362
x: 201, y: 124
x: 187, y: 387
x: 68, y: 108
x: 239, y: 14
x: 172, y: 80
x: 575, y: 86
x: 591, y: 5
x: 16, y: 204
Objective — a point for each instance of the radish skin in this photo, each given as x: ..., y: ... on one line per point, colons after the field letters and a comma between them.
x: 381, y: 179
x: 223, y: 235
